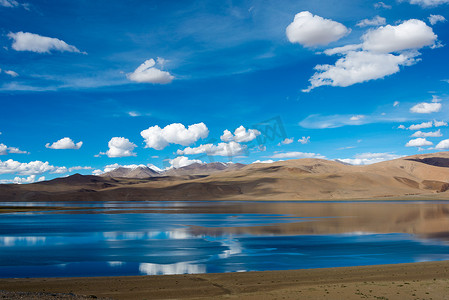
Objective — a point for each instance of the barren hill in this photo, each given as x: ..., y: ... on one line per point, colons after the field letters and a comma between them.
x: 424, y: 176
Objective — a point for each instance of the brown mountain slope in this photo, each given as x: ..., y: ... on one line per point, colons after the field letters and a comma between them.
x: 302, y: 179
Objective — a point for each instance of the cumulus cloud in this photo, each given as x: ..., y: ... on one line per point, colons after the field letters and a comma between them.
x: 183, y: 161
x: 376, y: 21
x: 3, y: 149
x: 64, y: 143
x: 369, y: 158
x: 310, y: 30
x: 11, y: 73
x: 148, y: 73
x: 411, y: 34
x: 358, y: 66
x: 222, y: 149
x: 428, y: 134
x: 396, y: 103
x: 286, y: 141
x: 426, y: 108
x: 26, y: 41
x: 443, y: 145
x: 401, y: 127
x: 241, y: 135
x: 382, y: 52
x: 433, y: 19
x: 176, y: 133
x: 297, y: 155
x: 419, y: 142
x: 304, y: 140
x: 427, y: 3
x: 120, y: 147
x: 32, y: 168
x: 421, y: 126
x: 13, y: 150
x: 439, y: 123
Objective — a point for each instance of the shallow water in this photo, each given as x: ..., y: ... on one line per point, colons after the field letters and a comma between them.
x: 147, y: 238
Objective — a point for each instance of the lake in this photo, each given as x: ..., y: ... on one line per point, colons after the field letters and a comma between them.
x: 148, y: 238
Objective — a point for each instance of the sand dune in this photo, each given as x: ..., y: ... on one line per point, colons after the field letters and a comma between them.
x: 414, y: 177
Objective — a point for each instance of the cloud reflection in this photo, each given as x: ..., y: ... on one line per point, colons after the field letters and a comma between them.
x: 171, y: 269
x: 9, y: 241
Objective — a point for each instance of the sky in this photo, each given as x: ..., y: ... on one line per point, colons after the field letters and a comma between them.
x: 87, y: 86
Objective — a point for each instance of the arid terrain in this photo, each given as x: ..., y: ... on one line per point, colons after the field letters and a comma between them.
x: 427, y: 280
x: 415, y: 177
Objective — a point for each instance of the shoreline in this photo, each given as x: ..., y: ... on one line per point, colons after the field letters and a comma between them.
x: 423, y: 280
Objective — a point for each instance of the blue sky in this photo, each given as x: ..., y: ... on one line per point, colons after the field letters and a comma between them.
x: 127, y: 79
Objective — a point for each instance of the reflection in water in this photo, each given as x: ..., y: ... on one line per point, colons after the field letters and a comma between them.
x: 220, y: 237
x: 10, y: 241
x: 171, y: 269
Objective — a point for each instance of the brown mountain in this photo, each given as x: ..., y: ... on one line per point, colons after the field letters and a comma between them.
x: 415, y: 177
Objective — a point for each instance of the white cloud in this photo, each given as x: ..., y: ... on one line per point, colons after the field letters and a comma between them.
x: 443, y: 145
x: 311, y: 30
x: 396, y: 103
x: 77, y: 168
x: 421, y: 126
x: 11, y: 73
x: 382, y: 5
x: 439, y: 123
x: 222, y: 149
x: 369, y: 158
x: 304, y: 140
x: 433, y: 19
x: 32, y: 168
x: 29, y: 179
x: 9, y: 3
x: 176, y: 133
x: 16, y: 150
x: 97, y: 172
x: 148, y: 73
x: 375, y: 21
x: 297, y: 155
x: 120, y: 147
x: 26, y: 41
x: 356, y: 117
x: 64, y: 143
x: 286, y: 141
x: 427, y: 3
x: 241, y: 135
x: 426, y: 108
x: 419, y: 142
x: 411, y: 34
x: 268, y: 161
x: 428, y: 134
x: 374, y: 60
x: 401, y: 127
x: 358, y: 66
x: 5, y: 150
x: 183, y: 161
x: 133, y: 114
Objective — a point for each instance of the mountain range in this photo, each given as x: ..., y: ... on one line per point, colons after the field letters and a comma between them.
x: 424, y: 176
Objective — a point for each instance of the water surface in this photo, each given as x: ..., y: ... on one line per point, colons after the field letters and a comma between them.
x: 147, y: 238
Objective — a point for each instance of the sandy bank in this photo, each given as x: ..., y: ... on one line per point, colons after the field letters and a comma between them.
x: 428, y: 280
